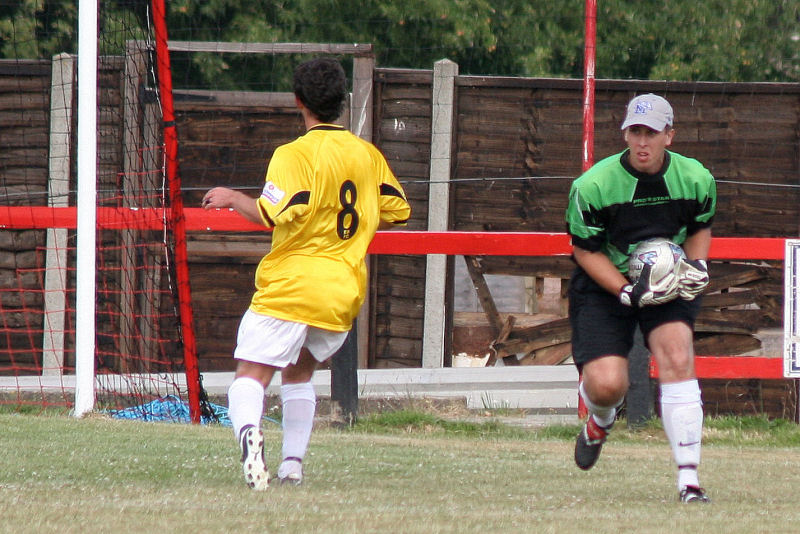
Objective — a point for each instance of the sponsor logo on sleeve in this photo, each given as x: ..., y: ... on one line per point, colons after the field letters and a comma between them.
x: 272, y: 194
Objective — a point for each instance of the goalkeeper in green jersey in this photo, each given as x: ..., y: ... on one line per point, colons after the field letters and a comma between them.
x: 325, y: 195
x: 643, y: 192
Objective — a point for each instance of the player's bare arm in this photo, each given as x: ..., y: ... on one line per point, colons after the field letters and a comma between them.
x: 223, y: 197
x: 698, y: 244
x: 601, y: 269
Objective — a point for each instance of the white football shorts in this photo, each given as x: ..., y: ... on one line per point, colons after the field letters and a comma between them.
x: 275, y: 342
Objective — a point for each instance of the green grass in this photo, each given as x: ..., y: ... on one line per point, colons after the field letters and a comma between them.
x: 401, y: 471
x: 410, y: 421
x: 729, y: 430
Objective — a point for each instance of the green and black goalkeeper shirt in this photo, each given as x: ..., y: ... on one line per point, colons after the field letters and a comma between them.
x: 612, y: 206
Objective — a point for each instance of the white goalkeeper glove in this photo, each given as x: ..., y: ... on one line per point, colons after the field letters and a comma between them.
x: 642, y: 294
x: 692, y: 278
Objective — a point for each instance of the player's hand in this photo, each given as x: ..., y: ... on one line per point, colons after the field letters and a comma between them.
x: 218, y: 198
x: 642, y: 294
x: 692, y: 278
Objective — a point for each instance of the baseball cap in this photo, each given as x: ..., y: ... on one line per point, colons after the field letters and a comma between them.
x: 649, y: 110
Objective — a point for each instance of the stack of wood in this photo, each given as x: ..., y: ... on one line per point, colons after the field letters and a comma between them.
x: 547, y: 343
x: 742, y: 297
x: 544, y: 344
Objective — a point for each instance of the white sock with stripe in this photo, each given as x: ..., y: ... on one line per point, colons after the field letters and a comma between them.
x: 604, y: 416
x: 245, y: 403
x: 299, y: 407
x: 682, y: 417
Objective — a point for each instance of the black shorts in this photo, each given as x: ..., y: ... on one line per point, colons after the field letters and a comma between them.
x: 602, y: 326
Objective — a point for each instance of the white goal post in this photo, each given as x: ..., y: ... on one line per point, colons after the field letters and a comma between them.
x: 87, y: 194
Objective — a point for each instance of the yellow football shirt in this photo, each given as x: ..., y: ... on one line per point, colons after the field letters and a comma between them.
x: 325, y: 194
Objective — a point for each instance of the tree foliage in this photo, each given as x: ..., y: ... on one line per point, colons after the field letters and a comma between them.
x: 716, y: 40
x: 32, y: 29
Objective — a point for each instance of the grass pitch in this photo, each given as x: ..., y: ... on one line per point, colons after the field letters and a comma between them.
x: 406, y: 472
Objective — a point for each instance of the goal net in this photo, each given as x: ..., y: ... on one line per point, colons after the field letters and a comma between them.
x: 141, y: 339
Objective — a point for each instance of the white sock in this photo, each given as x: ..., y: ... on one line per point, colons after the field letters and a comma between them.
x: 682, y: 417
x: 299, y: 406
x: 603, y: 415
x: 289, y: 467
x: 245, y: 403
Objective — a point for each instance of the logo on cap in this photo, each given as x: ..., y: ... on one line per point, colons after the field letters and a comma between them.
x: 643, y: 107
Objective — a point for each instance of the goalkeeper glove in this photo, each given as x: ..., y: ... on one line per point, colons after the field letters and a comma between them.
x: 692, y: 278
x: 641, y: 294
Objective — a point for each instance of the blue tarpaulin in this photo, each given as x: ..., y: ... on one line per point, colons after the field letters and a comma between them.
x: 171, y: 409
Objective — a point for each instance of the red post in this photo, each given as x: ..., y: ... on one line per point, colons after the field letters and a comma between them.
x: 176, y: 208
x: 589, y: 49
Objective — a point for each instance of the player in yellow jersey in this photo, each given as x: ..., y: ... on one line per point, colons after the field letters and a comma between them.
x: 325, y: 196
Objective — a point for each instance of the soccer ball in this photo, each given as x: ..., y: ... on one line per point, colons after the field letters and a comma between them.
x: 661, y: 254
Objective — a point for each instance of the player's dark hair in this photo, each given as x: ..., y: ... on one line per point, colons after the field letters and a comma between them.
x: 321, y: 86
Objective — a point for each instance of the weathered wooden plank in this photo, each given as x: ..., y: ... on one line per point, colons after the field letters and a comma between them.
x: 717, y: 283
x: 231, y: 247
x: 24, y: 176
x: 355, y: 49
x: 411, y: 267
x: 772, y: 269
x: 545, y: 267
x: 509, y: 220
x: 21, y: 240
x: 410, y: 308
x: 726, y: 344
x: 748, y: 397
x: 402, y: 108
x: 501, y: 142
x: 729, y: 299
x: 552, y: 355
x: 403, y: 77
x: 402, y: 348
x: 24, y: 101
x: 24, y: 137
x: 528, y: 339
x: 237, y: 102
x: 399, y: 287
x: 405, y: 131
x: 214, y: 127
x: 484, y: 294
x: 521, y: 167
x: 24, y: 154
x: 28, y: 259
x: 401, y: 130
x: 418, y: 152
x: 24, y: 67
x: 23, y: 318
x: 396, y: 363
x: 28, y: 118
x: 726, y: 321
x: 405, y: 170
x: 397, y: 326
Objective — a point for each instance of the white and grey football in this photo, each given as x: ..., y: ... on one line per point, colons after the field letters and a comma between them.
x: 661, y: 254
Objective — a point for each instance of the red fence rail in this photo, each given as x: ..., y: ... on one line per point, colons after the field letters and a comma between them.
x: 422, y: 242
x: 392, y: 242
